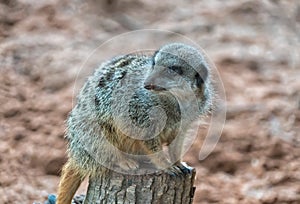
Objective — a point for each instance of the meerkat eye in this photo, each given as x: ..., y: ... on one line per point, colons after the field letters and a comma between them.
x: 176, y: 69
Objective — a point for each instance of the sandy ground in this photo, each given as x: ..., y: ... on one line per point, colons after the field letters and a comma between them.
x: 254, y: 44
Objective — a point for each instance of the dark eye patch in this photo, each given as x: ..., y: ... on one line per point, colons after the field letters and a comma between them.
x: 176, y: 69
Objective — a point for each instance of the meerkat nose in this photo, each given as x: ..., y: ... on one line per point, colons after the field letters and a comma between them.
x: 154, y: 87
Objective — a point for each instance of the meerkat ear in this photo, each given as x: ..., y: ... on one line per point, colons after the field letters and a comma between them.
x: 198, y: 80
x: 201, y: 77
x: 153, y: 58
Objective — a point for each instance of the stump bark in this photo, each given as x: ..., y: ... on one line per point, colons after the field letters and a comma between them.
x: 157, y: 188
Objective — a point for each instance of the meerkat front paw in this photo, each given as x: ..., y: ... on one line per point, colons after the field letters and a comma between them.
x: 178, y: 169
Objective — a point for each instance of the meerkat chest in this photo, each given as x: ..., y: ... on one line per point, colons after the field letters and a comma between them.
x: 122, y: 100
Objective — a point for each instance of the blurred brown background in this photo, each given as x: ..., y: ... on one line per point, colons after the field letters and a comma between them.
x: 254, y: 44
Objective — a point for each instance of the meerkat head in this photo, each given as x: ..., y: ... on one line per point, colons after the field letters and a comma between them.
x: 174, y: 65
x: 179, y: 66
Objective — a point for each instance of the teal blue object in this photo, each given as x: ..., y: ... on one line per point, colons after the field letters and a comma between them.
x: 51, y: 199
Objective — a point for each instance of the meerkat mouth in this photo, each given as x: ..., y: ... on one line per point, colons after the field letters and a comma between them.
x: 153, y: 87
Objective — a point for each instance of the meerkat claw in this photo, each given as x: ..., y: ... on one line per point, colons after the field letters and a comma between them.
x: 174, y: 171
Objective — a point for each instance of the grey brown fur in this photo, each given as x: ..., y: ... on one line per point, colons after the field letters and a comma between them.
x: 113, y: 111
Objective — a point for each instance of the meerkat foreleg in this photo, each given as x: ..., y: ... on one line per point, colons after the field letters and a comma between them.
x: 175, y: 150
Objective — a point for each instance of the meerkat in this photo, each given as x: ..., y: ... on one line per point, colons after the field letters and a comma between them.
x: 129, y: 87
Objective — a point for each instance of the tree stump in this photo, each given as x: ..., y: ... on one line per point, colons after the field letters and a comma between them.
x: 145, y: 189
